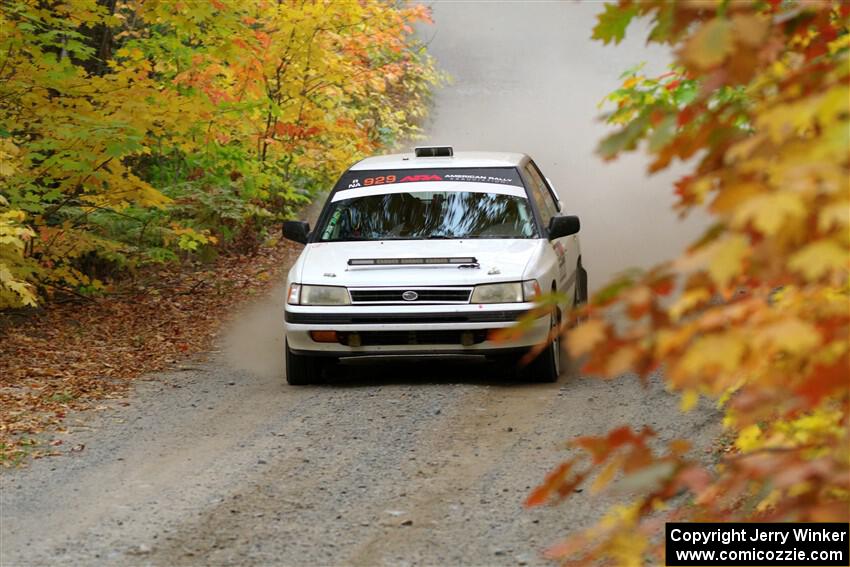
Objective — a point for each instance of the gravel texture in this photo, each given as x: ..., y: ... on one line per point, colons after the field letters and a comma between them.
x: 396, y: 465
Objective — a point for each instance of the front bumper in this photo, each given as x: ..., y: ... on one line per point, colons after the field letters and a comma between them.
x: 410, y: 330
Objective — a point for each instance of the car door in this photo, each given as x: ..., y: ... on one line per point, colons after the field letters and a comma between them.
x: 548, y: 204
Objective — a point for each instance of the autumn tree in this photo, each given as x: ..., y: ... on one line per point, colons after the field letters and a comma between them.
x: 134, y: 131
x: 754, y: 314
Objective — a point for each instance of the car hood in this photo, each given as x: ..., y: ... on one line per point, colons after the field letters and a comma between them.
x: 498, y: 260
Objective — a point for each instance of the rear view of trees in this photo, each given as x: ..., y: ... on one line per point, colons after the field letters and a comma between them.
x: 754, y: 314
x: 138, y: 131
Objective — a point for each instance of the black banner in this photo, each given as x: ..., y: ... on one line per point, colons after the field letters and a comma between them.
x: 358, y: 178
x: 762, y: 544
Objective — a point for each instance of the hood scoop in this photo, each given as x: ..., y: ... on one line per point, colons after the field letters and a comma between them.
x: 439, y: 261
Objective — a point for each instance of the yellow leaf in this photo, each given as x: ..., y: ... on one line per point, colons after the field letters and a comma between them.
x: 842, y: 42
x: 710, y: 45
x: 769, y: 501
x: 8, y: 152
x: 727, y: 259
x: 833, y: 215
x: 688, y: 401
x: 744, y: 148
x: 607, y: 474
x: 748, y: 438
x: 790, y: 335
x: 787, y: 120
x: 819, y: 258
x: 729, y: 198
x: 833, y: 104
x: 667, y: 341
x: 690, y: 299
x: 750, y: 29
x: 720, y: 351
x: 768, y: 213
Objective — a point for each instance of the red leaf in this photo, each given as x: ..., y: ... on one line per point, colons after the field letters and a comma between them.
x: 663, y: 287
x: 686, y: 115
x: 824, y: 380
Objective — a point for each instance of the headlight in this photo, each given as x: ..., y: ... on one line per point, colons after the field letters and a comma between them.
x: 318, y: 295
x: 497, y: 293
x: 513, y: 292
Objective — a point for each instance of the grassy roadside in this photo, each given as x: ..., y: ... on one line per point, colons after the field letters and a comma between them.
x: 71, y: 355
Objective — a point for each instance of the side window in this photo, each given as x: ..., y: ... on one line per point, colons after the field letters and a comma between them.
x: 540, y: 193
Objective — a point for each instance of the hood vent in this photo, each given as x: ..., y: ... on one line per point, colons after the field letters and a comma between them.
x: 411, y: 261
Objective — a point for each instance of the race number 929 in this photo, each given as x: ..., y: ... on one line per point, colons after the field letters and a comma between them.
x: 380, y: 180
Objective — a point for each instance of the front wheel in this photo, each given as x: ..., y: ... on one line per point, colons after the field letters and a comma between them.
x: 546, y: 368
x: 302, y: 370
x: 580, y: 296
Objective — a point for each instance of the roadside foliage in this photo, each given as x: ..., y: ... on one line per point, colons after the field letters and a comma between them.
x: 754, y: 314
x: 136, y: 132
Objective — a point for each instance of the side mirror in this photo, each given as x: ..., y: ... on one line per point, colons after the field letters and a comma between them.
x: 296, y: 231
x: 561, y: 226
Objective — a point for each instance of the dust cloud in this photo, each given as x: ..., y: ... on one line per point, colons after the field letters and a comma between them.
x: 254, y: 341
x: 528, y: 78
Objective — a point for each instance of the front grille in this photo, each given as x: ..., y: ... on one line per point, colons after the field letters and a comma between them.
x: 371, y: 318
x: 430, y: 295
x: 436, y: 337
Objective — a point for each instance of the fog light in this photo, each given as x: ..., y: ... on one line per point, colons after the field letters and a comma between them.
x: 323, y: 336
x: 467, y: 339
x: 354, y: 340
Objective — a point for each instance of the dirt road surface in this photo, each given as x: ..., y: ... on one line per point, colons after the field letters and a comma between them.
x: 219, y: 462
x: 213, y: 466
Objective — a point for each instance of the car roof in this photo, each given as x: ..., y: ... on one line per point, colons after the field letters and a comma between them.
x: 459, y: 159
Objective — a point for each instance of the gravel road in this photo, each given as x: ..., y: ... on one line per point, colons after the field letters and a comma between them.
x: 219, y: 462
x: 387, y: 466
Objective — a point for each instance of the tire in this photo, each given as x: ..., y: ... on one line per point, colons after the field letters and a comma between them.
x: 546, y: 368
x: 580, y: 295
x: 302, y: 370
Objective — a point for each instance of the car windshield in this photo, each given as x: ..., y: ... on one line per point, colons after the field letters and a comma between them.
x: 428, y: 214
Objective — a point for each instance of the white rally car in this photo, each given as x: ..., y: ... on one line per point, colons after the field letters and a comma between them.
x: 426, y: 254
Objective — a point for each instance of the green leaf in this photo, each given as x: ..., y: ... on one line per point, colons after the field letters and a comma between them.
x: 663, y: 133
x: 612, y: 23
x: 625, y: 139
x: 662, y: 31
x: 618, y: 284
x: 686, y: 93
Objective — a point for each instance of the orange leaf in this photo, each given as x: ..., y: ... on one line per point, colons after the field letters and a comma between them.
x: 554, y: 479
x: 586, y: 336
